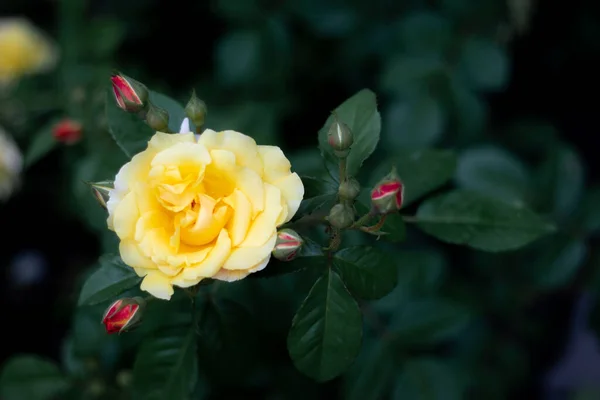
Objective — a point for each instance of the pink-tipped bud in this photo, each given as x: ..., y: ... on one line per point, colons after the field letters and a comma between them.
x: 288, y: 245
x: 123, y: 315
x: 388, y: 194
x: 130, y: 95
x: 67, y: 131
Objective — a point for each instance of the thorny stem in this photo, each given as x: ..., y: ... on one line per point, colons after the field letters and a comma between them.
x: 376, y: 227
x: 363, y: 220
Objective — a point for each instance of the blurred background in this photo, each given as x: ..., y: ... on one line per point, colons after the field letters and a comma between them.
x: 506, y: 84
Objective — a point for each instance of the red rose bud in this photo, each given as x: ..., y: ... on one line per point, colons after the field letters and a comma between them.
x: 101, y: 191
x: 157, y: 118
x: 123, y: 315
x: 340, y: 138
x: 130, y: 94
x: 67, y: 131
x: 287, y: 245
x: 388, y: 194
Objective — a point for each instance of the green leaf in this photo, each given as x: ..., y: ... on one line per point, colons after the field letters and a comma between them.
x: 484, y: 65
x: 129, y: 131
x: 225, y: 341
x: 427, y: 378
x: 494, y: 172
x: 421, y: 171
x: 468, y: 113
x: 416, y: 122
x: 173, y: 107
x: 30, y: 377
x: 111, y: 279
x: 326, y: 331
x: 421, y: 322
x: 588, y: 216
x: 371, y: 374
x: 368, y: 272
x: 318, y: 194
x: 310, y: 256
x: 360, y: 113
x: 463, y: 217
x: 166, y: 365
x: 42, y: 143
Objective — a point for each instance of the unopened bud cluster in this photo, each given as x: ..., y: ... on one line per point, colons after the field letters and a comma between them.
x: 133, y: 97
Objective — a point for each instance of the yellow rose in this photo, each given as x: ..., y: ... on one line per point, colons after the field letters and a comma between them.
x: 11, y: 163
x: 23, y: 50
x: 186, y: 209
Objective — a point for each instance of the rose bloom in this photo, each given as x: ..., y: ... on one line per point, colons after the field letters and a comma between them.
x: 23, y: 50
x: 11, y: 163
x: 189, y: 208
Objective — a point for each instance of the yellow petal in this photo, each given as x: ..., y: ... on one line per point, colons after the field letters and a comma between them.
x: 161, y: 140
x: 126, y: 216
x: 169, y: 270
x: 240, y: 220
x: 236, y: 275
x: 292, y: 191
x: 244, y: 258
x: 158, y: 285
x: 132, y: 256
x: 243, y: 146
x: 262, y: 227
x: 213, y: 261
x: 208, y: 224
x: 183, y: 154
x: 180, y: 281
x: 150, y: 220
x: 275, y: 163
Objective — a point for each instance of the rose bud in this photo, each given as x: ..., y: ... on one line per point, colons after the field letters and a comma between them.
x: 349, y: 189
x: 130, y: 95
x: 157, y: 118
x: 101, y: 191
x: 388, y: 194
x: 340, y: 138
x: 196, y: 110
x: 287, y: 245
x: 67, y: 131
x: 341, y: 216
x: 123, y: 315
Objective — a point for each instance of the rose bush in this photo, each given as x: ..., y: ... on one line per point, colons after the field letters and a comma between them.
x: 189, y: 208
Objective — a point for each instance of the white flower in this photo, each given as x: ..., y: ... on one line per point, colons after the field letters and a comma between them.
x: 11, y: 163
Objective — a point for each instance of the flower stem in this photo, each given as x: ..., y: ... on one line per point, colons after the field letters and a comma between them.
x: 343, y: 176
x: 377, y: 226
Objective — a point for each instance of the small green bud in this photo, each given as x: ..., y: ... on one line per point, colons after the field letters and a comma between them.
x: 157, y: 118
x: 340, y: 138
x: 341, y: 216
x: 196, y: 110
x: 349, y: 189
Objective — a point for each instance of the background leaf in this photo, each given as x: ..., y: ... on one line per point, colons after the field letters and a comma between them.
x: 31, y: 377
x: 368, y: 272
x: 428, y: 379
x: 166, y: 365
x: 371, y: 374
x: 494, y: 172
x: 43, y: 143
x: 326, y: 332
x: 463, y: 217
x: 360, y: 113
x: 111, y: 279
x: 175, y: 110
